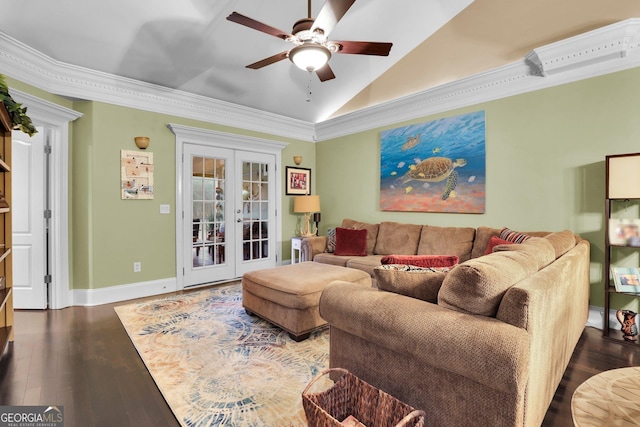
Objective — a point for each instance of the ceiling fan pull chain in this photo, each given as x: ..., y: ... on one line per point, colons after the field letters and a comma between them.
x: 309, y: 88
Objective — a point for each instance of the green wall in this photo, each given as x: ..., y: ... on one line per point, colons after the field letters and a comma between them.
x: 545, y: 164
x: 110, y: 234
x: 545, y: 171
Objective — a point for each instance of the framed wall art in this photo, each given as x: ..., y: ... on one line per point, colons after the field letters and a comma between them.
x: 298, y: 181
x: 437, y: 166
x: 136, y: 177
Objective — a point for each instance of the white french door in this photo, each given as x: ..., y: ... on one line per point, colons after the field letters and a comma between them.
x: 255, y: 211
x: 229, y: 213
x: 28, y: 206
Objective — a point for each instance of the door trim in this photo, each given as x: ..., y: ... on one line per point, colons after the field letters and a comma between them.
x: 211, y: 138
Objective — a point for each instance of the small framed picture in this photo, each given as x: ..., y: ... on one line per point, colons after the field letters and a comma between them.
x: 626, y: 279
x: 298, y: 181
x: 624, y: 232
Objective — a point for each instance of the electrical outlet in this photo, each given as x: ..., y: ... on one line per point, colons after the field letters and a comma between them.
x: 137, y: 267
x: 165, y: 209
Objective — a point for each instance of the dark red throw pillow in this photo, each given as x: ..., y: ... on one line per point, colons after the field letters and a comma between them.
x: 430, y: 261
x: 351, y: 242
x: 495, y: 241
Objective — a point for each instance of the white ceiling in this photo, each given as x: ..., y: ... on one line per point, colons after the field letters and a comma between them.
x: 189, y: 45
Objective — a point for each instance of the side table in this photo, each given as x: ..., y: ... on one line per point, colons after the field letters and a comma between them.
x: 296, y: 245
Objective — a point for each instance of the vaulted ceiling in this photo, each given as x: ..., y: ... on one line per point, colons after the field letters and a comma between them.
x: 190, y: 46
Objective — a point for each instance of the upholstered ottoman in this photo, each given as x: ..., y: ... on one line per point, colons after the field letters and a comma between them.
x: 288, y: 296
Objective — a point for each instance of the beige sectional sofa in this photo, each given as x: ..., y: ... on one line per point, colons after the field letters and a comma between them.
x: 489, y: 341
x: 389, y: 238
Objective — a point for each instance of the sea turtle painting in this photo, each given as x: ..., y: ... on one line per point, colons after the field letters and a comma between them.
x: 434, y: 169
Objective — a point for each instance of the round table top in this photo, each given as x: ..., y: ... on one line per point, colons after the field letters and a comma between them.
x: 611, y: 398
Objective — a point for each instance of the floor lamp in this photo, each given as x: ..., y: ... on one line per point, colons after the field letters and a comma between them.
x: 306, y: 205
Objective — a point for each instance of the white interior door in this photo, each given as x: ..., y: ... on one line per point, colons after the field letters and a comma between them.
x: 229, y: 213
x: 28, y: 201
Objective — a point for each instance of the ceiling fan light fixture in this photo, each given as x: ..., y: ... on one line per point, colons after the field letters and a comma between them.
x: 310, y: 57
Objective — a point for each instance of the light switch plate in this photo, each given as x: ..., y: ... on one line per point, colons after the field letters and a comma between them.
x: 165, y: 209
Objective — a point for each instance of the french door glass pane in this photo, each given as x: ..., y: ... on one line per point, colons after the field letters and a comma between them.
x: 255, y: 211
x: 208, y: 183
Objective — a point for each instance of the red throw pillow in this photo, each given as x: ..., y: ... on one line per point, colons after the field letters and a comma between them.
x: 351, y: 242
x: 494, y: 241
x: 421, y: 260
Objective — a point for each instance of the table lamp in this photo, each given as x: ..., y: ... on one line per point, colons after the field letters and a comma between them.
x: 306, y: 205
x: 317, y: 218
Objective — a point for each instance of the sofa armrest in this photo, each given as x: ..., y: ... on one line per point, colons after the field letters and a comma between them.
x: 480, y: 348
x: 312, y: 246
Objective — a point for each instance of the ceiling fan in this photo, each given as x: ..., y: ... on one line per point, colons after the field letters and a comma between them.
x: 312, y: 49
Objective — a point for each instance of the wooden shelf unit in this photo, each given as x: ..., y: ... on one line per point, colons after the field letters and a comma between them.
x: 619, y: 189
x: 6, y: 264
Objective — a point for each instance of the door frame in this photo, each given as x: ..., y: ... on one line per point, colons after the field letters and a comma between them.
x: 211, y: 138
x: 56, y: 120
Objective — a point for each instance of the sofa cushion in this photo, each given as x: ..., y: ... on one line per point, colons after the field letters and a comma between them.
x: 365, y: 263
x: 538, y: 248
x: 495, y: 241
x: 457, y: 241
x: 513, y: 236
x: 483, y: 234
x: 333, y: 259
x: 372, y: 231
x: 421, y: 260
x: 562, y: 242
x: 478, y: 285
x: 415, y: 282
x: 397, y: 238
x: 331, y: 240
x: 351, y: 242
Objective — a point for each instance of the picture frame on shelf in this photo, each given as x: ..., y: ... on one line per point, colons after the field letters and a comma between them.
x: 626, y: 279
x: 298, y: 181
x: 624, y: 232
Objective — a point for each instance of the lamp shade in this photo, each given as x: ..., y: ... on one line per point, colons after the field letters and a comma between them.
x: 309, y: 57
x: 623, y: 176
x: 306, y: 204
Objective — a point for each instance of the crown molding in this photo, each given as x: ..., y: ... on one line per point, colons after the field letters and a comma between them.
x: 602, y: 51
x: 30, y: 66
x: 225, y: 139
x: 606, y: 50
x: 46, y: 112
x: 608, y: 43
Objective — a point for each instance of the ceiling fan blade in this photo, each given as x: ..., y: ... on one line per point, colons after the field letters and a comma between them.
x: 364, y: 48
x: 332, y: 11
x: 256, y: 25
x: 325, y: 73
x: 268, y: 61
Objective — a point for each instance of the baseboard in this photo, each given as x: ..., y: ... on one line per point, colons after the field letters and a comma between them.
x: 111, y: 294
x: 596, y: 319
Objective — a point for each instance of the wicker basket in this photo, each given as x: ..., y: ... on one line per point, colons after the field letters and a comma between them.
x: 349, y: 395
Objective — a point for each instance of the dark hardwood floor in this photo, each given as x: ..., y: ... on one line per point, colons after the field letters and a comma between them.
x: 82, y: 358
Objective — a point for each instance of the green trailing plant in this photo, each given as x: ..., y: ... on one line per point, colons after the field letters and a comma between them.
x: 17, y: 112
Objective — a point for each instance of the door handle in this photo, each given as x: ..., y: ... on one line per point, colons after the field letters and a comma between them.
x: 238, y: 220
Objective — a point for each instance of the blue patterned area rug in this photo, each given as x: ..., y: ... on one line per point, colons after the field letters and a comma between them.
x: 217, y: 366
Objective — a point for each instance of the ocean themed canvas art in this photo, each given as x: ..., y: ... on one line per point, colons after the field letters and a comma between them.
x: 437, y: 166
